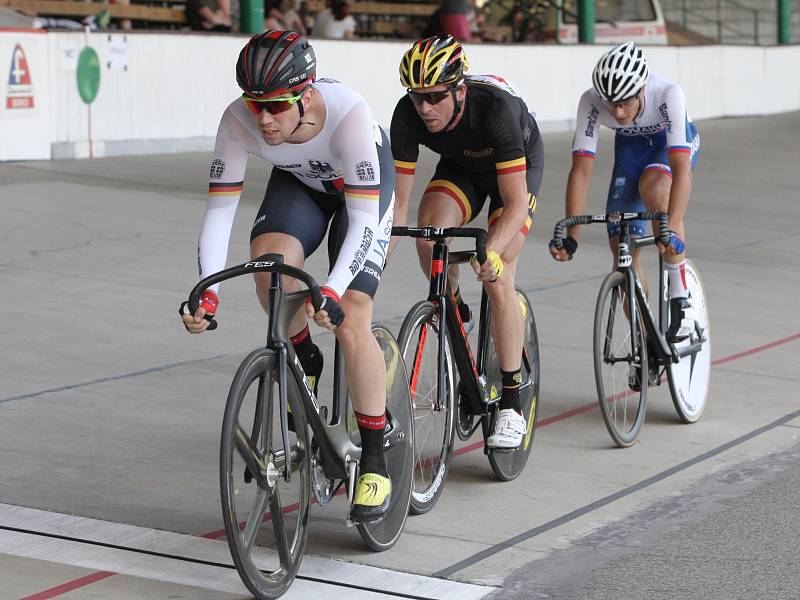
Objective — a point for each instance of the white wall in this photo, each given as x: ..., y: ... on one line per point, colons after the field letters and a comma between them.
x: 161, y: 92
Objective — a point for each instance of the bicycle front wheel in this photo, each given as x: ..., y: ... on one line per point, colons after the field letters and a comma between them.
x: 266, y: 517
x: 689, y: 377
x: 620, y: 361
x: 507, y: 465
x: 398, y: 446
x: 433, y: 419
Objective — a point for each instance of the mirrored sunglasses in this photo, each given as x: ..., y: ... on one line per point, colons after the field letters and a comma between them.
x: 273, y: 106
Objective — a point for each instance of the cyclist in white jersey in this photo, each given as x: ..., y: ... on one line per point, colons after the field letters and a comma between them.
x: 656, y: 149
x: 332, y: 165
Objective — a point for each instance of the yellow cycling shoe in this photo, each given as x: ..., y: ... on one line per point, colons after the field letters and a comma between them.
x: 372, y: 498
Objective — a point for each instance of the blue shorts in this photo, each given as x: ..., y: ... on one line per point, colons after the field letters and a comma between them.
x: 633, y: 155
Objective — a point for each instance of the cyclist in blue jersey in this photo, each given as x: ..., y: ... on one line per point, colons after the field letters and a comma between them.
x: 656, y: 147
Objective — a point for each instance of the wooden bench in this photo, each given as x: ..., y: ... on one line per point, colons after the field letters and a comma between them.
x: 72, y: 8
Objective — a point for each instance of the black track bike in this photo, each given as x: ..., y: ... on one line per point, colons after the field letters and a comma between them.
x: 272, y: 467
x: 450, y: 392
x: 630, y: 346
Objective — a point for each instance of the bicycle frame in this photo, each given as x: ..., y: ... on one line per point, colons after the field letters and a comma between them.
x: 468, y: 370
x: 663, y: 351
x: 338, y: 452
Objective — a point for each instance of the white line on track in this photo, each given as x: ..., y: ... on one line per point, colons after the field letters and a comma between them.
x: 35, y: 528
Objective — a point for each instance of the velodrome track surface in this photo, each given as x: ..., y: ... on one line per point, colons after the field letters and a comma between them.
x: 110, y: 412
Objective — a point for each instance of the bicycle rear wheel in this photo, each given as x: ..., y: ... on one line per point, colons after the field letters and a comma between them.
x: 266, y: 518
x: 508, y: 464
x: 398, y: 446
x: 689, y: 377
x: 620, y: 361
x: 433, y: 421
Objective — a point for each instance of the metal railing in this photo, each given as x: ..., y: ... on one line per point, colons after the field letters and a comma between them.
x: 730, y: 21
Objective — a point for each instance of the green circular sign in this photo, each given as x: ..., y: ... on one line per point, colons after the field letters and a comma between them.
x: 88, y: 75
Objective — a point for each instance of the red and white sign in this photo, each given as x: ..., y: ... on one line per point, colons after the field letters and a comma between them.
x: 20, y: 86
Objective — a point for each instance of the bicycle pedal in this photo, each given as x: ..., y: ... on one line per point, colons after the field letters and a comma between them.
x: 248, y: 475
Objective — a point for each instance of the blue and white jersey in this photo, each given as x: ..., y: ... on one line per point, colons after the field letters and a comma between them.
x: 663, y: 119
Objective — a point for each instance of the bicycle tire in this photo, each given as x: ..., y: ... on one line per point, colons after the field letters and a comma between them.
x: 507, y: 465
x: 433, y: 425
x: 615, y: 333
x: 265, y: 577
x: 689, y: 377
x: 399, y: 454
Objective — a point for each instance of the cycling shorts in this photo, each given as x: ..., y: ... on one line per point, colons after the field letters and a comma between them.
x: 470, y: 190
x: 633, y: 155
x: 293, y: 208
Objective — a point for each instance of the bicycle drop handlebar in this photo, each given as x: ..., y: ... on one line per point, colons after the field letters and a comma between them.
x: 270, y: 263
x: 431, y: 233
x: 615, y: 217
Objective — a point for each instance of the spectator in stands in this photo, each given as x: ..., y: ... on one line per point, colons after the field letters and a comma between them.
x: 209, y: 15
x: 454, y: 18
x: 335, y: 22
x: 282, y: 14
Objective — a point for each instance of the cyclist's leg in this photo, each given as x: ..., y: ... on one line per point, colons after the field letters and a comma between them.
x: 507, y: 322
x: 450, y: 200
x: 631, y: 156
x: 365, y: 368
x: 291, y: 222
x: 654, y: 188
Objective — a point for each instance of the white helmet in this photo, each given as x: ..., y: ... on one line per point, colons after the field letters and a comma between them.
x: 620, y: 73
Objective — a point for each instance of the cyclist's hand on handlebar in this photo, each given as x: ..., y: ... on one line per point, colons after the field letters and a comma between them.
x: 491, y: 269
x: 675, y: 247
x: 200, y: 320
x: 567, y: 251
x: 330, y: 315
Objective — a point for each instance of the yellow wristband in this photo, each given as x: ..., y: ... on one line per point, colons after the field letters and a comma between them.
x: 497, y: 262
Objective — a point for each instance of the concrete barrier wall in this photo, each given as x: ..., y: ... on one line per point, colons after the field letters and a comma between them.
x: 166, y: 92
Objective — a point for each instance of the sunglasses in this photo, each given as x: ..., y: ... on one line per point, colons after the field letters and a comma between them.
x: 273, y: 106
x: 430, y: 97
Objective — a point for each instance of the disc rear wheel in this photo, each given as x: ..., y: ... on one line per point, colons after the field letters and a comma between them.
x: 398, y: 446
x: 508, y: 464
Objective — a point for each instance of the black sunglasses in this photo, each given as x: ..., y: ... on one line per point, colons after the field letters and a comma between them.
x: 430, y: 97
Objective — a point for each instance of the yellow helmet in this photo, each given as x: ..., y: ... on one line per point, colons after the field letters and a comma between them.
x: 433, y: 61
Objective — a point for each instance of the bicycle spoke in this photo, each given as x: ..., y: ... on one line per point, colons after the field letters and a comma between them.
x: 250, y: 456
x: 255, y: 517
x: 278, y: 525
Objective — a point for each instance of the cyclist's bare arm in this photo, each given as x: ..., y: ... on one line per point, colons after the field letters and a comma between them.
x: 402, y: 194
x: 580, y: 175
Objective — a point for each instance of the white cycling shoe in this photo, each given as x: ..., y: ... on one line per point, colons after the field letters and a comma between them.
x: 509, y: 427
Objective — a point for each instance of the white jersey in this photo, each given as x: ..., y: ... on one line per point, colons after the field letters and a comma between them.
x: 663, y: 111
x: 341, y: 159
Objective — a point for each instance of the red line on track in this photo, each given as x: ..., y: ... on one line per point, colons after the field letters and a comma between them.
x: 69, y: 586
x: 100, y: 575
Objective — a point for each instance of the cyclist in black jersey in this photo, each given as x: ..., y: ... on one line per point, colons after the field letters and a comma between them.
x: 489, y: 145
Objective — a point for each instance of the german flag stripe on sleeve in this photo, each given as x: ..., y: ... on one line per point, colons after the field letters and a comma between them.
x: 405, y: 168
x: 225, y: 189
x: 511, y: 166
x: 367, y: 192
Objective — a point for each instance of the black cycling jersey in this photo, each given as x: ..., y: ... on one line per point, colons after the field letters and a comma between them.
x: 496, y: 134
